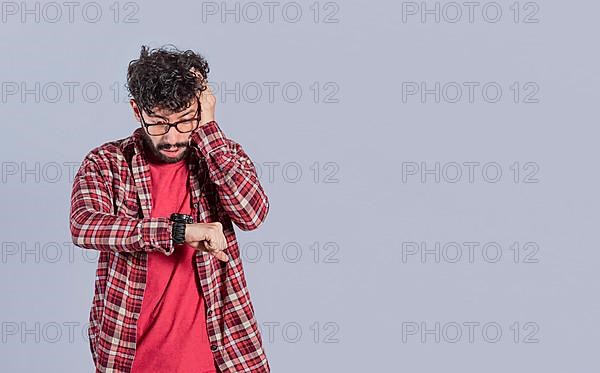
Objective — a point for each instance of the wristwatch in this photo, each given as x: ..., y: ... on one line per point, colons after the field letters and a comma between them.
x: 178, y: 223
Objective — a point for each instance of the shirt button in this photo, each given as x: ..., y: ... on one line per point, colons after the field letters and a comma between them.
x: 209, y: 312
x: 196, y: 205
x: 213, y: 348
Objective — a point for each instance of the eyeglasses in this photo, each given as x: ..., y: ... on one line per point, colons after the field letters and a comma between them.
x: 184, y: 126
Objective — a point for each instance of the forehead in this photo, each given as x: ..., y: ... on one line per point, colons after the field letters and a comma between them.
x: 166, y: 113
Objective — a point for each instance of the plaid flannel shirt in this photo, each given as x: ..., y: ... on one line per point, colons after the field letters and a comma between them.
x: 110, y: 212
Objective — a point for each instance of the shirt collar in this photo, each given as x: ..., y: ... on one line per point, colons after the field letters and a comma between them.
x: 134, y: 141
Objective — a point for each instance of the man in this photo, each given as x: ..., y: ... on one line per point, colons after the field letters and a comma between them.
x: 170, y: 292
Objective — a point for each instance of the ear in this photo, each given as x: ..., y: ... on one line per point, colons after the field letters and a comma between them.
x: 136, y: 110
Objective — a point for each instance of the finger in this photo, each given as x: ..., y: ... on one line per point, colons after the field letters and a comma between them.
x: 221, y: 256
x: 197, y: 73
x: 209, y: 92
x: 216, y: 247
x: 208, y: 246
x: 207, y: 95
x: 203, y: 97
x: 217, y: 252
x: 213, y: 246
x: 205, y: 246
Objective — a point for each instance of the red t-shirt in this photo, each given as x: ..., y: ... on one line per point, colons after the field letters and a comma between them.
x: 171, y: 329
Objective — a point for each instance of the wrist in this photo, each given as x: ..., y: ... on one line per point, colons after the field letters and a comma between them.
x: 190, y: 233
x: 179, y: 224
x: 205, y: 121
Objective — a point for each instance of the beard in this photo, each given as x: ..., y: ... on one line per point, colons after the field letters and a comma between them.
x: 156, y: 156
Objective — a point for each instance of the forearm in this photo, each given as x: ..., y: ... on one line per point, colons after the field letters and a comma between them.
x: 232, y: 171
x: 106, y: 232
x: 94, y: 224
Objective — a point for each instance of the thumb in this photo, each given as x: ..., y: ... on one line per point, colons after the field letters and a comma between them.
x: 220, y: 255
x: 217, y: 253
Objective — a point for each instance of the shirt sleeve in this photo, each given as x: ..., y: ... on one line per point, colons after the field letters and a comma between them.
x: 234, y: 175
x: 94, y: 225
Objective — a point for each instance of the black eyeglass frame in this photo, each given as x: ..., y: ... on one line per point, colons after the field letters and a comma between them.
x: 196, y: 118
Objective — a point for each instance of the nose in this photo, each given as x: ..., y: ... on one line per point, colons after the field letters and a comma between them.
x: 171, y: 136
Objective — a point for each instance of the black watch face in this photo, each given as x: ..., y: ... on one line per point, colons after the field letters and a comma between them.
x: 182, y: 218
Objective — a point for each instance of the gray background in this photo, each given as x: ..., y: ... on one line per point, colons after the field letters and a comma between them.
x: 348, y: 309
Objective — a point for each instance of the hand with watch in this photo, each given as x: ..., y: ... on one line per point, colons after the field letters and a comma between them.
x: 207, y: 237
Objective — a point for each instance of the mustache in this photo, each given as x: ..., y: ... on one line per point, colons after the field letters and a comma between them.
x: 173, y: 146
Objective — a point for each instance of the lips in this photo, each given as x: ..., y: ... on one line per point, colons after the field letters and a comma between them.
x: 171, y: 151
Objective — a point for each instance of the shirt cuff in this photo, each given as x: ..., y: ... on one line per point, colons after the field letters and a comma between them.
x: 157, y: 233
x: 208, y: 138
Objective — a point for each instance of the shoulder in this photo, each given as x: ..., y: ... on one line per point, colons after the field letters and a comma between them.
x: 108, y: 156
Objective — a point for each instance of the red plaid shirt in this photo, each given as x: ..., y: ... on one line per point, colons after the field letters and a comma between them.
x: 110, y: 212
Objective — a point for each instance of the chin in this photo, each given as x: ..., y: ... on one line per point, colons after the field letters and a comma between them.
x: 167, y: 159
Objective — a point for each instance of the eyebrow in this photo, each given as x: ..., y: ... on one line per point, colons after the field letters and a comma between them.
x: 181, y: 116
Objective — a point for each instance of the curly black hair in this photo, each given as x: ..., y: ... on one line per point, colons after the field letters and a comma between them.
x: 164, y: 78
